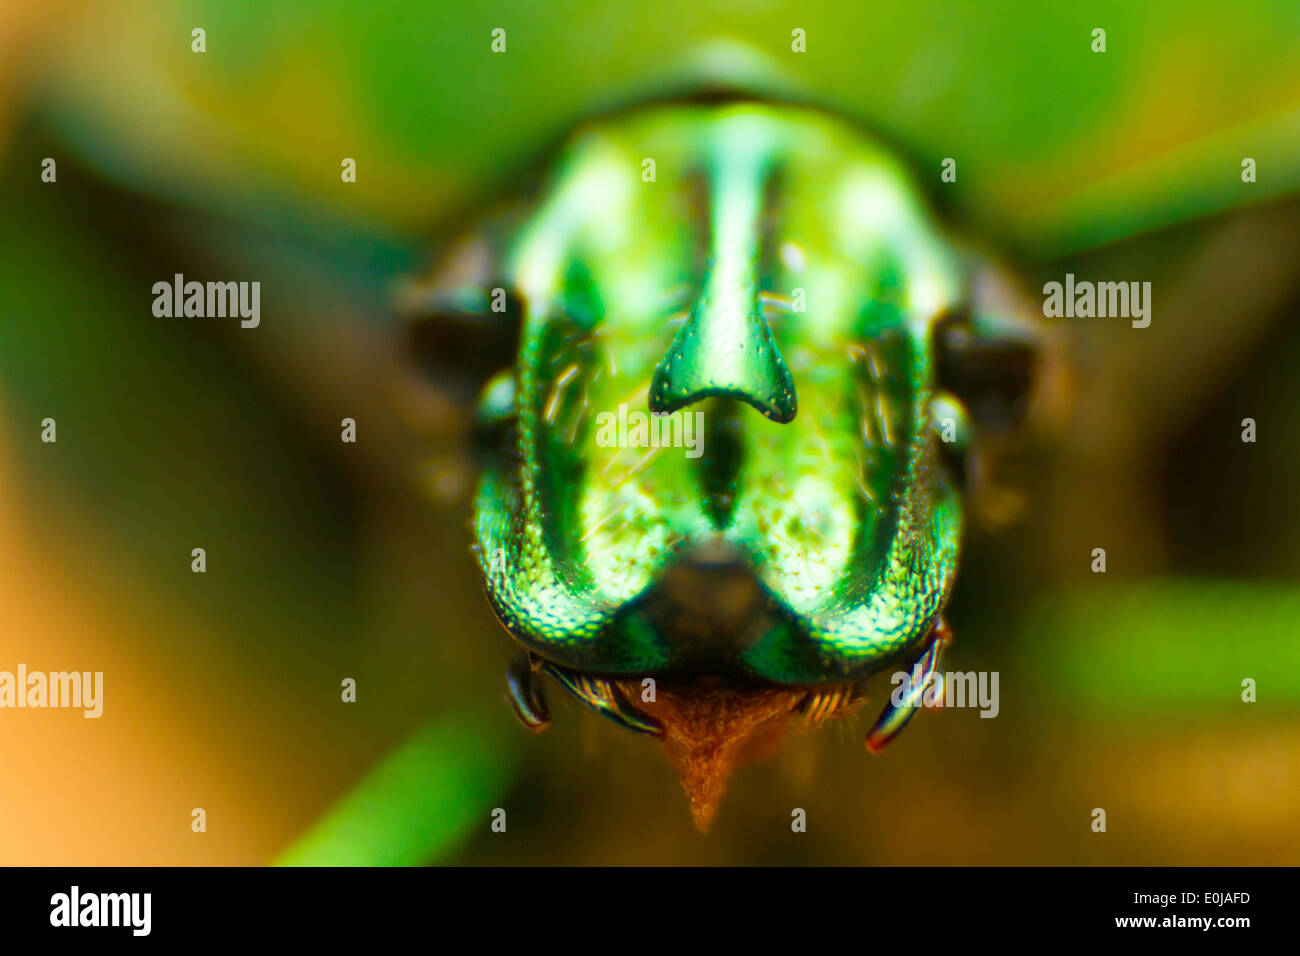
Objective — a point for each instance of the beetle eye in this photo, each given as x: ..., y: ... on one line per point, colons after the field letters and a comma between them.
x: 992, y: 372
x: 462, y: 325
x: 459, y: 344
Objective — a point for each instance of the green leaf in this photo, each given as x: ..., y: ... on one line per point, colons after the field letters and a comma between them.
x: 417, y: 806
x: 1168, y: 644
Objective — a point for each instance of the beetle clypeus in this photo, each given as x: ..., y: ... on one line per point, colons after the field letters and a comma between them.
x: 780, y: 278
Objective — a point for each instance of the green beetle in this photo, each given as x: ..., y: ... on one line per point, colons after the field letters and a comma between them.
x: 1062, y: 149
x: 763, y: 280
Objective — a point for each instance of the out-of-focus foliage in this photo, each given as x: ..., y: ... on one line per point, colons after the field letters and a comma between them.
x: 1167, y: 644
x: 222, y: 688
x: 1058, y: 147
x: 415, y: 807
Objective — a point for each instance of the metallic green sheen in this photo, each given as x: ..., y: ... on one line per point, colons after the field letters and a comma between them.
x: 777, y: 253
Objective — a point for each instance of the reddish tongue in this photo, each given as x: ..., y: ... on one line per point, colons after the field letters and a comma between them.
x: 709, y: 730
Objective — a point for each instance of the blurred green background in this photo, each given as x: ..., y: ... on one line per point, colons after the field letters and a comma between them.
x: 328, y: 561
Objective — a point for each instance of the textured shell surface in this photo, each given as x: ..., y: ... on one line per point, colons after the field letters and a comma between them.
x: 725, y: 358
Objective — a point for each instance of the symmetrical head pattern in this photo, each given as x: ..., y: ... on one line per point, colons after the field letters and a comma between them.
x: 777, y: 280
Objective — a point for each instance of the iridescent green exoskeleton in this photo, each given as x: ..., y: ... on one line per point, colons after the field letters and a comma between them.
x: 761, y: 293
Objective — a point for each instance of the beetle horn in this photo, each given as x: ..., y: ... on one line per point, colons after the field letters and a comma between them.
x: 726, y: 347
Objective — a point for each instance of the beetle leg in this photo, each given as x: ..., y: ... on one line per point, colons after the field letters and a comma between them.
x: 895, y: 716
x: 604, y: 698
x: 525, y: 694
